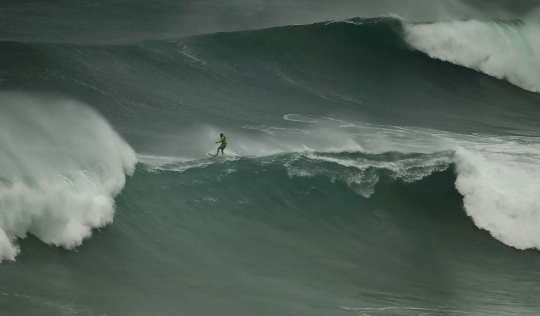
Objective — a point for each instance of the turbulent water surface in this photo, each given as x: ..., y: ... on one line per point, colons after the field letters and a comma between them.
x: 374, y: 166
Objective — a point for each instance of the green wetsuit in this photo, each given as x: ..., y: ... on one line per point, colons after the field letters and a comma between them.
x: 223, y: 142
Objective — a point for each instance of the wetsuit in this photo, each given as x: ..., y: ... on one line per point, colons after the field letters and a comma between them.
x: 223, y: 142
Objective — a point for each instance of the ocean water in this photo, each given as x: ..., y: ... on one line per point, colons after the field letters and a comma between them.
x: 375, y: 166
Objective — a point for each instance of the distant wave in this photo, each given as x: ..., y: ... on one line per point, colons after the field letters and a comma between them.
x: 352, y: 49
x: 505, y: 50
x: 508, y: 50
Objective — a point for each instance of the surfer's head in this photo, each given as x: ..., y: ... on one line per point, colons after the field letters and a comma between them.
x: 221, y: 135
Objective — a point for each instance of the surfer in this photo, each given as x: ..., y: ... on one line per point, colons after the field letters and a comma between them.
x: 223, y: 141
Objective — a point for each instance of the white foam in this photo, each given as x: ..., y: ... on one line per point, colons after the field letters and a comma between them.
x: 501, y: 194
x: 499, y: 177
x: 156, y: 163
x: 502, y: 50
x: 176, y: 164
x: 61, y: 164
x: 363, y: 174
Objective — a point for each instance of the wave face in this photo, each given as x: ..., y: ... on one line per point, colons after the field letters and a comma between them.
x: 496, y: 176
x: 346, y: 218
x: 364, y: 68
x: 373, y: 166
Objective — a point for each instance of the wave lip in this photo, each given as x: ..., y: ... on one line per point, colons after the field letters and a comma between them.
x: 61, y: 166
x: 507, y: 50
x: 501, y: 197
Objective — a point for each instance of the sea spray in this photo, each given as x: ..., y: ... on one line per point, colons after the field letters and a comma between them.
x: 61, y: 164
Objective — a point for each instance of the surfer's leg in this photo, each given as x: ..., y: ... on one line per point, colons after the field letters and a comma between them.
x: 221, y: 147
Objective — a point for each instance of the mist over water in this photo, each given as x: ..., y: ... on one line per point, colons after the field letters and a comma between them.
x: 382, y: 158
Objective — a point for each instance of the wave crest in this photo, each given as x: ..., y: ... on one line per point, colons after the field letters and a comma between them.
x: 61, y: 165
x: 505, y: 50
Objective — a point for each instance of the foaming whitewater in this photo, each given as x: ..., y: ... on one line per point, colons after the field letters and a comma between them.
x: 61, y: 164
x: 362, y: 173
x: 500, y: 189
x: 505, y: 50
x: 498, y: 176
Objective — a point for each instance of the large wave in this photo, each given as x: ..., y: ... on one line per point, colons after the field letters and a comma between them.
x: 366, y: 65
x: 496, y: 176
x: 369, y: 66
x: 508, y: 50
x: 61, y: 164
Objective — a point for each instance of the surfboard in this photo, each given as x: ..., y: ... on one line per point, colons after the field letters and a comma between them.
x: 212, y: 155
